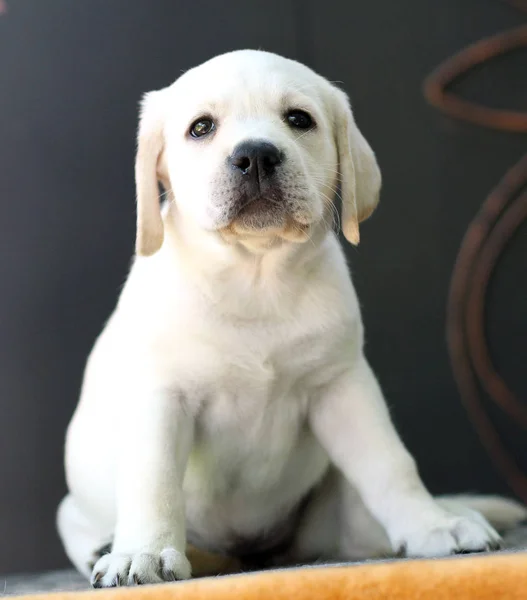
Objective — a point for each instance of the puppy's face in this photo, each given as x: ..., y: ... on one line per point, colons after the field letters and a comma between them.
x: 247, y: 144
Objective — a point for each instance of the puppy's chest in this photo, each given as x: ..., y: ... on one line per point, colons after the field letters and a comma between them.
x: 261, y: 387
x: 246, y: 443
x: 264, y: 406
x: 254, y: 413
x: 267, y: 361
x: 259, y: 408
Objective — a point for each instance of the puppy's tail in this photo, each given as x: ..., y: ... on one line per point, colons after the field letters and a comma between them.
x: 502, y: 513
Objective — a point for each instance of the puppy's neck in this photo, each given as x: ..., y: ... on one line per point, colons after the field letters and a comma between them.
x: 250, y: 274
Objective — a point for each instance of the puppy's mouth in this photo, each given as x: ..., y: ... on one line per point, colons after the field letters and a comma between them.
x: 265, y: 217
x: 260, y: 212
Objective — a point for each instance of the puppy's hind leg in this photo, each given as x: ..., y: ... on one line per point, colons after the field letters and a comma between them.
x: 82, y: 541
x: 336, y: 526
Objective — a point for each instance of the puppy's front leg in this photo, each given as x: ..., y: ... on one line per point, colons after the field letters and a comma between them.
x: 149, y: 543
x: 352, y: 422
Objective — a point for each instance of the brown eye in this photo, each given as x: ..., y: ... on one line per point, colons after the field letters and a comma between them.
x: 201, y: 127
x: 299, y: 119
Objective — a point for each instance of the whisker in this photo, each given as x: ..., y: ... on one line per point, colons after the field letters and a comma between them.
x: 336, y: 171
x: 302, y: 135
x: 165, y: 195
x: 309, y: 237
x: 320, y: 177
x: 331, y: 188
x: 335, y: 213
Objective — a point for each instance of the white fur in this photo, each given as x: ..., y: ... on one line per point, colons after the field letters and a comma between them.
x: 231, y: 380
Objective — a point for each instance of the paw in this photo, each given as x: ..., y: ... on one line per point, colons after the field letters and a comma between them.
x: 116, y: 569
x: 449, y: 534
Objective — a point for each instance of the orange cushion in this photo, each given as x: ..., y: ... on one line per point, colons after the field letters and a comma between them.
x: 490, y: 577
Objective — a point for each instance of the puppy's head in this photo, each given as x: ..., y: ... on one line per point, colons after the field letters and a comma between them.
x: 251, y: 145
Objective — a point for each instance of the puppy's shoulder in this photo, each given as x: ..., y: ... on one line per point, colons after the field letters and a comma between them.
x: 333, y: 279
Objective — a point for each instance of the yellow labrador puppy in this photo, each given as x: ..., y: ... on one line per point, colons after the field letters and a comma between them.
x: 228, y: 403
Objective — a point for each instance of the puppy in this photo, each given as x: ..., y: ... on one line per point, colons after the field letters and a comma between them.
x: 228, y: 404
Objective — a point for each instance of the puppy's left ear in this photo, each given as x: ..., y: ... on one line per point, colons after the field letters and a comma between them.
x: 150, y: 146
x: 360, y: 173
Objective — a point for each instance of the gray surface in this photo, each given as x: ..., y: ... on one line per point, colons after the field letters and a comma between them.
x: 52, y: 581
x: 70, y: 580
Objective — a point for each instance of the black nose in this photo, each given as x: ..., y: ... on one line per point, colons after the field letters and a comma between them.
x: 256, y: 159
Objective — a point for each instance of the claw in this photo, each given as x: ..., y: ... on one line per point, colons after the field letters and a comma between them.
x: 495, y: 546
x: 473, y: 551
x: 96, y: 580
x: 169, y: 575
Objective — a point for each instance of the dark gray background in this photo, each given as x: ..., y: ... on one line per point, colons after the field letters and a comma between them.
x: 71, y: 74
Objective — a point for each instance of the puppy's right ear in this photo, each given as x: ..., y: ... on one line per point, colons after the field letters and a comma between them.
x: 150, y: 146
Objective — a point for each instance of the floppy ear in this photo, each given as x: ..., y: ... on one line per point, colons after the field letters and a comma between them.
x: 360, y: 175
x: 150, y: 145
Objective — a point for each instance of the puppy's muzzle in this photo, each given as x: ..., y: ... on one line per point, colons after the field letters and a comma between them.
x: 256, y: 180
x: 254, y: 163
